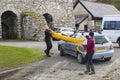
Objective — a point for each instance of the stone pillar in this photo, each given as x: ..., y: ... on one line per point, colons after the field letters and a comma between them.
x: 19, y: 27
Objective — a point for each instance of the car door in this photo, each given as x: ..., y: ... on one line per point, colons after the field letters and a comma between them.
x: 65, y: 45
x: 73, y: 46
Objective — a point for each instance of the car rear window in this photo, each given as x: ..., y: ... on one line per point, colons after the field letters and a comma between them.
x: 100, y: 40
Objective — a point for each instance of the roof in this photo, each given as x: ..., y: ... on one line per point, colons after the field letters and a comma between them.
x: 99, y: 9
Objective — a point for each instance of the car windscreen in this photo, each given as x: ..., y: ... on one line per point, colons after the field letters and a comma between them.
x: 76, y: 36
x: 100, y: 40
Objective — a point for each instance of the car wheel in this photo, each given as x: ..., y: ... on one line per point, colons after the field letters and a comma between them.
x: 119, y: 42
x: 61, y: 52
x: 108, y: 59
x: 59, y: 47
x: 80, y: 58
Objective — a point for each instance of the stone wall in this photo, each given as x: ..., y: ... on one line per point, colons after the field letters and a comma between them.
x: 30, y: 27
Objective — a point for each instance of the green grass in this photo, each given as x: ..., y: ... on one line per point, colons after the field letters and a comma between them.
x: 116, y: 3
x: 16, y: 56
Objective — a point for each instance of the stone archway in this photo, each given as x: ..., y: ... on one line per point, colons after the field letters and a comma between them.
x: 9, y: 25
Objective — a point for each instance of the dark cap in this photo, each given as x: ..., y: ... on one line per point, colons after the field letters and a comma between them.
x: 91, y: 34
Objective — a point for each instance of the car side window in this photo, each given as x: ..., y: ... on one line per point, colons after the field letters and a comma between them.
x: 71, y: 30
x: 63, y: 29
x: 73, y: 35
x: 58, y: 30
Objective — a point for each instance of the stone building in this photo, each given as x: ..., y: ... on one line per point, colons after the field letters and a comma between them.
x: 27, y: 19
x: 89, y: 14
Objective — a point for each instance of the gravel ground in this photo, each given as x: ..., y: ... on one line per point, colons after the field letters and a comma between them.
x: 61, y: 68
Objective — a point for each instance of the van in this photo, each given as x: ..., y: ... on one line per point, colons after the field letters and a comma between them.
x: 111, y: 27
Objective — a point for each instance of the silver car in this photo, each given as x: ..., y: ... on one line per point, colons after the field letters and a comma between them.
x: 64, y: 30
x: 103, y: 48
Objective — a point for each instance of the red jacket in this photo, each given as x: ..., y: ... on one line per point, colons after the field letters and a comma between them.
x: 90, y: 47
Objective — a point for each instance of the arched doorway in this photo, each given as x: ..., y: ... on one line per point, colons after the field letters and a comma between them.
x: 9, y: 27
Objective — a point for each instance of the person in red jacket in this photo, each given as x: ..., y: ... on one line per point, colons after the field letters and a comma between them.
x: 90, y: 48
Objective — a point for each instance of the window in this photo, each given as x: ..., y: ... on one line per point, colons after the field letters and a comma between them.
x: 112, y: 25
x: 78, y: 36
x: 100, y: 40
x: 73, y: 35
x: 98, y: 23
x: 68, y: 30
x: 118, y: 25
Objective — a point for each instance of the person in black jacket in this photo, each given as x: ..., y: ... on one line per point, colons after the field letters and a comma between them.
x: 48, y: 41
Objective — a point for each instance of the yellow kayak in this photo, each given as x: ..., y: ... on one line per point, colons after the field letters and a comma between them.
x: 67, y: 38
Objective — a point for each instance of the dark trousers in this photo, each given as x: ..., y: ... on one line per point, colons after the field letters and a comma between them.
x: 89, y: 63
x: 88, y: 58
x: 49, y: 46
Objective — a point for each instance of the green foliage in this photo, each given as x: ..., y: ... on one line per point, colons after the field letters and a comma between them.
x: 74, y: 2
x: 32, y: 14
x: 116, y: 3
x: 14, y: 56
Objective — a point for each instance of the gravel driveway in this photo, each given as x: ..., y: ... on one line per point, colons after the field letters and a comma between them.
x: 61, y: 68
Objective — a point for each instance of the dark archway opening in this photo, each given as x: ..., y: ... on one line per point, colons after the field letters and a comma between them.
x: 9, y: 26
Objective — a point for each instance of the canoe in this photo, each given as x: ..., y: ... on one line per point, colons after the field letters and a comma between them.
x: 61, y: 36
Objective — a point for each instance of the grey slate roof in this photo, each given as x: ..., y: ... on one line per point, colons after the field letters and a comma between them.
x: 99, y: 9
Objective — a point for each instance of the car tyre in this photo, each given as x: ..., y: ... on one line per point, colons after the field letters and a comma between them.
x: 59, y: 47
x: 119, y: 42
x: 80, y: 58
x: 61, y: 52
x: 108, y: 59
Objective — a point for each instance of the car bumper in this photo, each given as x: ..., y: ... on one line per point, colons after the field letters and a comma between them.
x: 102, y: 55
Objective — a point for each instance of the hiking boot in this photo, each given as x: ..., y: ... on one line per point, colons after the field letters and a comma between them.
x: 91, y: 73
x: 48, y: 55
x: 92, y: 69
x: 88, y: 68
x: 86, y: 72
x: 44, y: 51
